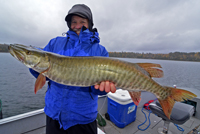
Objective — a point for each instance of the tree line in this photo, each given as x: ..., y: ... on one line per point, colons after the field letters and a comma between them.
x: 3, y: 48
x: 182, y: 56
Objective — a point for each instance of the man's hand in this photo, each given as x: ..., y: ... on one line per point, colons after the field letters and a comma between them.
x: 107, y: 86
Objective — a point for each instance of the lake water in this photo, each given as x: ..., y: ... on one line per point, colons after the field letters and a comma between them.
x: 17, y: 84
x: 17, y: 88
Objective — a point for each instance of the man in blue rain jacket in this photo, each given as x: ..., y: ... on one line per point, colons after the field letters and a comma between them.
x: 69, y: 109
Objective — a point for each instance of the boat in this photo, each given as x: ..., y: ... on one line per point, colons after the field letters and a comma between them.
x: 0, y: 109
x: 34, y: 122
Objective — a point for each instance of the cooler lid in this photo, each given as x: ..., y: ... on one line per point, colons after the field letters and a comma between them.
x: 120, y: 95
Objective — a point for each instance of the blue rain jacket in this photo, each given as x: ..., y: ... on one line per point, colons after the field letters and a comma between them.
x: 68, y: 104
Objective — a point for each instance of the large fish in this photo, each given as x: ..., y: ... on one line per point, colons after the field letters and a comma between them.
x: 88, y: 71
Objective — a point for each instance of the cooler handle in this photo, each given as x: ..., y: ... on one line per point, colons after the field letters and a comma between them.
x: 113, y: 104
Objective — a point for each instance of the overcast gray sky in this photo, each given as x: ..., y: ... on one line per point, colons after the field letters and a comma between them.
x: 156, y: 26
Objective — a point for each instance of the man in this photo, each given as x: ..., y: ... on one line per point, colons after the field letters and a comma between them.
x: 69, y: 109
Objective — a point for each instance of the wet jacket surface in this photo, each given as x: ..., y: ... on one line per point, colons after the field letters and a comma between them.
x: 68, y: 104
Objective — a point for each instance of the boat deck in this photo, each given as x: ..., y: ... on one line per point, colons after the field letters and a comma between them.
x: 156, y: 122
x: 34, y: 122
x: 132, y: 128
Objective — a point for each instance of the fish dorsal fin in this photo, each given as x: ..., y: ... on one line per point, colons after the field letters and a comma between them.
x: 147, y: 65
x: 151, y: 68
x: 139, y: 68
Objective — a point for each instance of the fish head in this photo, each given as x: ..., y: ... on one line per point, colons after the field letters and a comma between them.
x: 30, y: 56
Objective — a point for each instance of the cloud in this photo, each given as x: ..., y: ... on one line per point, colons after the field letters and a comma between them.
x: 138, y: 26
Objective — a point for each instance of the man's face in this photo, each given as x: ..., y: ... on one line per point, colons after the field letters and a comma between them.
x: 77, y: 23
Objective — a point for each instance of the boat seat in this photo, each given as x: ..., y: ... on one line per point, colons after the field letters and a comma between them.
x: 181, y: 112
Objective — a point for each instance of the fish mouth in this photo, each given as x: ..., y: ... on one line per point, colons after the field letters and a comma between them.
x: 16, y: 52
x: 28, y: 55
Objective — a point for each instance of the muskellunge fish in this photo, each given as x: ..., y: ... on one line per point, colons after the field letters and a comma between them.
x: 88, y: 71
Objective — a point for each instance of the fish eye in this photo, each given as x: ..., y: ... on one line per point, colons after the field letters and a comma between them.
x: 28, y: 52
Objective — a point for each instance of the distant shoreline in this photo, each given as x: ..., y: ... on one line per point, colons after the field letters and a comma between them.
x: 179, y: 56
x: 3, y: 48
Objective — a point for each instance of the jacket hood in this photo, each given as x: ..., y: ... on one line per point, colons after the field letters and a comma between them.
x: 82, y: 11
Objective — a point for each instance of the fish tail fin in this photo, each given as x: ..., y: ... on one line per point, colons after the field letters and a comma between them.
x: 175, y: 95
x: 167, y: 106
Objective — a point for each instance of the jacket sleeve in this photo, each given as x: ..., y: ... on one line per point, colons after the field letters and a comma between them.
x: 33, y: 72
x: 104, y: 53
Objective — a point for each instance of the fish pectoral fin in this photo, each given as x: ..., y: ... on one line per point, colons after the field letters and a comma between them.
x: 40, y: 82
x: 135, y: 96
x: 151, y: 68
